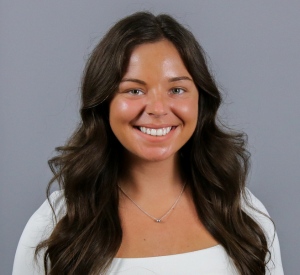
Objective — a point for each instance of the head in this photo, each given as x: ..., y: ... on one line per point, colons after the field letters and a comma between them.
x: 156, y: 93
x: 149, y: 71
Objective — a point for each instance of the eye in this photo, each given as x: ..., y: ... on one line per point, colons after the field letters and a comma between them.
x: 176, y: 91
x: 134, y: 91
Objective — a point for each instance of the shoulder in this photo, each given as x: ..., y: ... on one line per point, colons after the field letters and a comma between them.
x: 44, y: 219
x: 37, y: 229
x: 255, y: 208
x: 57, y: 201
x: 254, y: 201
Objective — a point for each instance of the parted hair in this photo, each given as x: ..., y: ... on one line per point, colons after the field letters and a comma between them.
x: 215, y: 160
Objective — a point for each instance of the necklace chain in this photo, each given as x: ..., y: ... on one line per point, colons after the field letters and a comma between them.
x: 157, y: 220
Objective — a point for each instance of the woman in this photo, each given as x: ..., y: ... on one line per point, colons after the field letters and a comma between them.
x: 150, y: 184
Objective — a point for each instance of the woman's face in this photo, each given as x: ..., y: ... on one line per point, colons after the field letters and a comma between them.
x: 155, y: 93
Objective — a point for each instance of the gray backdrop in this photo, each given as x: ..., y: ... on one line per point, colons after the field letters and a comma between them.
x: 254, y: 52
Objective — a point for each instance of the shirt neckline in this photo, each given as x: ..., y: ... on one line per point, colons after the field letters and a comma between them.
x: 209, y: 249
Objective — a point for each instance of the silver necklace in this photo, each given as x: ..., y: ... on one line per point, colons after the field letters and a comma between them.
x: 157, y: 220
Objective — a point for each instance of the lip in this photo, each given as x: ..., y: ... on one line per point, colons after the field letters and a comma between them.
x: 155, y: 126
x: 155, y: 139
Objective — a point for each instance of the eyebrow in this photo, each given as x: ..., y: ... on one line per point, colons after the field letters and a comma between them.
x: 172, y: 79
x: 134, y: 80
x: 178, y: 78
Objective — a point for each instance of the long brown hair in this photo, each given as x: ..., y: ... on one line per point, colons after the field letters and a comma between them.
x: 216, y: 161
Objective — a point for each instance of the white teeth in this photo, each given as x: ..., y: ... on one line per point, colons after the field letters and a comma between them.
x: 155, y: 132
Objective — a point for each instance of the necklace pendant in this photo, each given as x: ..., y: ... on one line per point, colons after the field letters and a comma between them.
x: 157, y: 220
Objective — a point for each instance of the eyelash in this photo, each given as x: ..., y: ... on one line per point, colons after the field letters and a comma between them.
x: 171, y: 90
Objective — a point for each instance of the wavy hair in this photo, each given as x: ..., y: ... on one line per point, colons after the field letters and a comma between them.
x: 216, y: 162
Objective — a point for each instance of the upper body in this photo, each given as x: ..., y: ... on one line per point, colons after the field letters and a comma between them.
x: 149, y: 125
x: 206, y: 261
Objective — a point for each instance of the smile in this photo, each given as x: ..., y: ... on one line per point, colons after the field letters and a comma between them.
x: 155, y: 132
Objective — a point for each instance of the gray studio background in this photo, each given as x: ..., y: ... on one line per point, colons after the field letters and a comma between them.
x: 254, y: 52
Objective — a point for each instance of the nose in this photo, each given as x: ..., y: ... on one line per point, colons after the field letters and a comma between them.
x: 157, y: 103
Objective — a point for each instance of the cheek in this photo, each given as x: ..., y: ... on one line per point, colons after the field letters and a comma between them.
x: 188, y: 111
x: 122, y: 112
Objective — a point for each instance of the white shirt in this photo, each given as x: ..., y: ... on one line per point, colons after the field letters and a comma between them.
x: 210, y: 261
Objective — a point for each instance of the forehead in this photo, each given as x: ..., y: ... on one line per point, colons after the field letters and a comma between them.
x: 159, y: 57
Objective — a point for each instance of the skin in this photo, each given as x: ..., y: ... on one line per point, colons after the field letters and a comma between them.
x: 158, y: 102
x: 156, y: 89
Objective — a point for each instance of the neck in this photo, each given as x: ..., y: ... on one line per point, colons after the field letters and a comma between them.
x: 151, y: 180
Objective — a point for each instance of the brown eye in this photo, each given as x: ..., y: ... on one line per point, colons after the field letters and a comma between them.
x: 177, y: 91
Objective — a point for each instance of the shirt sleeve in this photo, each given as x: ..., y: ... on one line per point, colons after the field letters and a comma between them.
x: 274, y: 266
x: 37, y: 229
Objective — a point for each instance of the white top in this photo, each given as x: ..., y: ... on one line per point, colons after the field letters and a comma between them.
x: 210, y: 261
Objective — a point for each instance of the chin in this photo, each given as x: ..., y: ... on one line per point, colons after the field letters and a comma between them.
x: 155, y: 157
